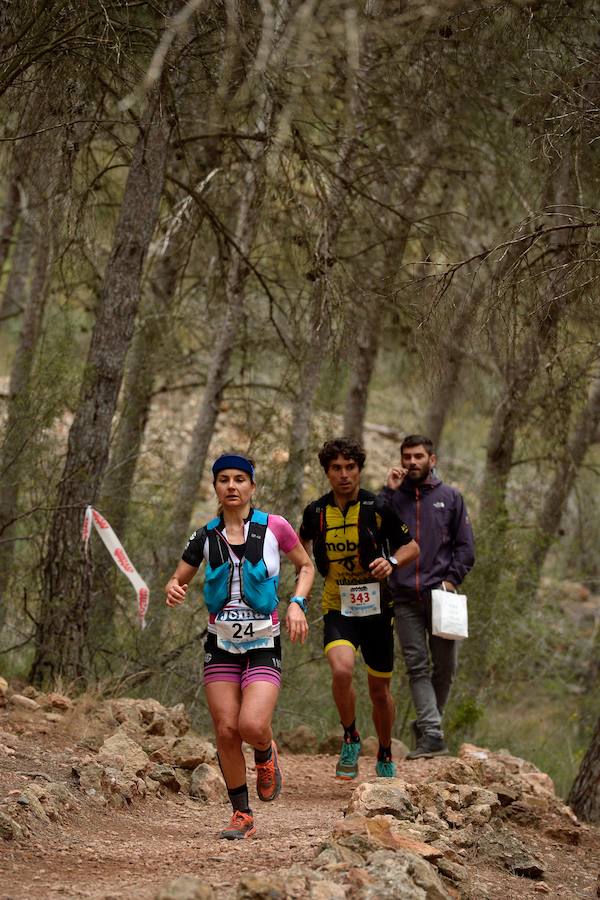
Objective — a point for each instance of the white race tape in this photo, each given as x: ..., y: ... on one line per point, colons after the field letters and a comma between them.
x: 117, y: 551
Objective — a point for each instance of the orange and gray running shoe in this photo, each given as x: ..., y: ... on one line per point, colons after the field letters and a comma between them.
x: 268, y: 777
x: 241, y: 827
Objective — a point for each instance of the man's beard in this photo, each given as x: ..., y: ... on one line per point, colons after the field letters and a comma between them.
x: 417, y: 476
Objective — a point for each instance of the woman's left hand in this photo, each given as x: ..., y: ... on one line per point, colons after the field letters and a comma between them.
x: 296, y: 624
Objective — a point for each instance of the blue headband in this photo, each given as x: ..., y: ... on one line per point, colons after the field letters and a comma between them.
x: 232, y: 461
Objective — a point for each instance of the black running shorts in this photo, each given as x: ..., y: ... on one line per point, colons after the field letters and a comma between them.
x: 374, y: 635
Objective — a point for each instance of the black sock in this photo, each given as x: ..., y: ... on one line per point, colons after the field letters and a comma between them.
x: 351, y: 735
x: 263, y: 756
x: 239, y: 798
x: 384, y: 753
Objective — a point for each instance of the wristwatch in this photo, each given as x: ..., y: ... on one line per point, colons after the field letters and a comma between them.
x: 393, y: 562
x: 301, y: 601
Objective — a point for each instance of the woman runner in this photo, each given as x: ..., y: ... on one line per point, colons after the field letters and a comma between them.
x: 242, y: 652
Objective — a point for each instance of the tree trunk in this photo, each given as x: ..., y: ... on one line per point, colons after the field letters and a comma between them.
x: 555, y: 498
x: 584, y: 796
x: 137, y: 393
x: 61, y: 636
x: 508, y: 416
x: 450, y: 364
x: 317, y: 341
x: 29, y: 184
x: 9, y: 220
x: 454, y: 345
x: 302, y: 408
x: 313, y: 353
x: 165, y: 267
x: 16, y: 291
x: 20, y: 419
x: 140, y: 379
x: 366, y: 345
x: 43, y: 193
x: 237, y: 273
x: 511, y: 410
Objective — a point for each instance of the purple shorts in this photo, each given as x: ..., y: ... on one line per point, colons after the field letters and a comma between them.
x: 242, y: 668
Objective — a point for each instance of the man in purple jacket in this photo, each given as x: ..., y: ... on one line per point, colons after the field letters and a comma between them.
x: 437, y: 518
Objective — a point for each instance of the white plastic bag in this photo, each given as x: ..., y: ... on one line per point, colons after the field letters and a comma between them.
x: 449, y: 618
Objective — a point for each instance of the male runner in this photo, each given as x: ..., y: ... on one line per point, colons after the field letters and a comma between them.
x: 351, y: 532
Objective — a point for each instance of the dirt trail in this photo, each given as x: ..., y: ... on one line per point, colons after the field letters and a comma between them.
x: 132, y: 852
x: 109, y: 854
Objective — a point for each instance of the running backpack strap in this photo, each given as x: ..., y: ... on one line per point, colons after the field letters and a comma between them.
x: 369, y: 538
x: 219, y: 567
x: 318, y: 524
x: 255, y: 542
x: 218, y: 552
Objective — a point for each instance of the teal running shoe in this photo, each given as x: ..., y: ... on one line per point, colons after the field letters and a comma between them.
x: 347, y: 767
x: 385, y: 768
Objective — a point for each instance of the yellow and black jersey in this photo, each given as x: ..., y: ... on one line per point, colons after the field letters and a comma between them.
x: 346, y: 540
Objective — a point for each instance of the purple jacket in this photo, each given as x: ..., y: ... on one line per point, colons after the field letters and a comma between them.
x: 437, y: 518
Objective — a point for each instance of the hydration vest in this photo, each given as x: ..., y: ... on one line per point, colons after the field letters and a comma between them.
x: 258, y: 588
x: 369, y: 539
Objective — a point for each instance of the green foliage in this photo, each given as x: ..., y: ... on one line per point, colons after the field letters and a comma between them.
x: 463, y: 717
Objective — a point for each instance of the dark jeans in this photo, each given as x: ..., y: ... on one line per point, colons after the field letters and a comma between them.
x: 431, y: 661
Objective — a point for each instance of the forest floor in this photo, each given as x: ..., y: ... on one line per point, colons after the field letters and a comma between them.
x: 105, y: 853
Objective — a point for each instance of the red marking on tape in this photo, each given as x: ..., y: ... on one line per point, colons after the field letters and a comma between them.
x: 100, y: 520
x: 143, y: 600
x: 122, y: 557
